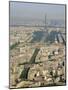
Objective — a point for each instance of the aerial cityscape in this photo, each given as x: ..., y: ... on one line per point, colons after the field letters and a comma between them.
x: 37, y: 45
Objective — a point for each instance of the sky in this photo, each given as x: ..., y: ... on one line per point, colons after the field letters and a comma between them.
x: 21, y: 12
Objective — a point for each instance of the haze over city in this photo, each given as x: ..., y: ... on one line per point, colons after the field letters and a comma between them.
x: 27, y: 13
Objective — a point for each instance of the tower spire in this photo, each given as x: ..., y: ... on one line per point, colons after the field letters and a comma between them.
x: 45, y: 21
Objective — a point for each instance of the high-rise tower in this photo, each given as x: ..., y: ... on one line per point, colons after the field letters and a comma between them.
x: 45, y: 21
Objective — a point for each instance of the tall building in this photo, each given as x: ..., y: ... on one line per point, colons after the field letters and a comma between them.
x: 45, y: 21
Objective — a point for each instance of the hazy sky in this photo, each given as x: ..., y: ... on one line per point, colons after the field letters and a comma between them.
x: 22, y: 12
